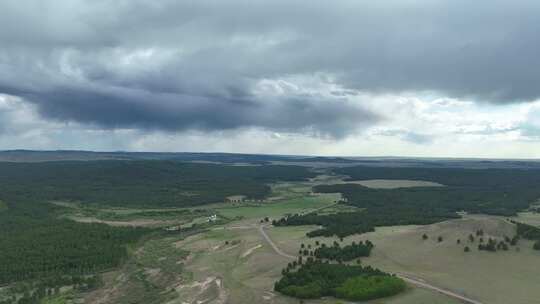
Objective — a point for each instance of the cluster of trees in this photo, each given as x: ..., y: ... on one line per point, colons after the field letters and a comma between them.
x: 315, y: 279
x: 345, y: 253
x: 529, y: 232
x: 492, y: 245
x: 365, y: 288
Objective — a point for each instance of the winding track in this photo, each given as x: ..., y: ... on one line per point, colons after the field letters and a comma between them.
x: 407, y: 278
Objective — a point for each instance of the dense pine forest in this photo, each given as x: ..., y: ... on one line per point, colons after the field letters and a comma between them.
x: 139, y: 183
x: 315, y: 279
x: 345, y: 253
x: 487, y: 191
x: 37, y: 246
x: 41, y: 248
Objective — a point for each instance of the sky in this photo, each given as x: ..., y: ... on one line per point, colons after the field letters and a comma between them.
x: 426, y: 78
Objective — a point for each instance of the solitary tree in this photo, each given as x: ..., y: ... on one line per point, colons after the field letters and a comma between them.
x: 440, y: 239
x: 424, y: 237
x: 466, y: 249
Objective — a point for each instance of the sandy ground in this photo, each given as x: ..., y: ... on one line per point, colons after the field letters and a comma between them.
x: 132, y: 223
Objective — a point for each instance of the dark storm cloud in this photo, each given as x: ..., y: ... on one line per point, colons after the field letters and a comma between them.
x: 178, y: 65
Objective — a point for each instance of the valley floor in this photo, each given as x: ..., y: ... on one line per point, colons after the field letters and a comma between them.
x: 238, y: 262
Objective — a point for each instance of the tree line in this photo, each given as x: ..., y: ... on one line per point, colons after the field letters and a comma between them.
x: 529, y: 232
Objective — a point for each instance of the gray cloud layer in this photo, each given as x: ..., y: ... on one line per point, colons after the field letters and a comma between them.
x: 177, y: 65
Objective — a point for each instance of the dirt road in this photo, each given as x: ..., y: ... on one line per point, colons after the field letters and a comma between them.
x: 405, y: 277
x: 273, y: 245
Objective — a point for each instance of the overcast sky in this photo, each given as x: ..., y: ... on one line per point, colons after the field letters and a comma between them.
x: 365, y: 78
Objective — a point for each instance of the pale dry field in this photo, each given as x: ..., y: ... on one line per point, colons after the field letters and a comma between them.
x: 530, y: 218
x: 498, y: 278
x: 393, y: 183
x: 247, y: 271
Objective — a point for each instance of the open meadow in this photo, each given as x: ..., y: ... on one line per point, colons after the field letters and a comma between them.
x: 489, y: 277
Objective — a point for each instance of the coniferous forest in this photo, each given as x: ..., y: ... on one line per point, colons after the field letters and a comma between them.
x: 315, y: 279
x: 487, y: 191
x: 37, y: 245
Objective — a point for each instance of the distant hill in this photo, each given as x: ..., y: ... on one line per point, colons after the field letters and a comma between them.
x: 262, y: 159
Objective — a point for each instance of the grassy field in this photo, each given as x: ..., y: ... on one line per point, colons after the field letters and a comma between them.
x: 286, y: 198
x: 373, y: 183
x: 501, y: 277
x: 530, y: 218
x: 244, y: 271
x: 158, y: 217
x: 394, y: 183
x: 3, y: 206
x: 279, y: 208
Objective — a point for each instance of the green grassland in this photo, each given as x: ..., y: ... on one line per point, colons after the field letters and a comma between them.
x: 279, y: 208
